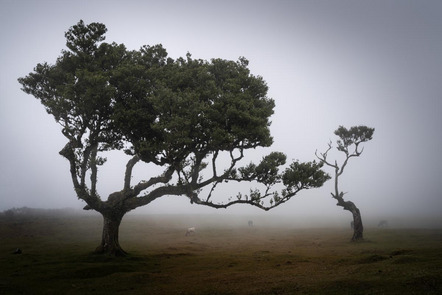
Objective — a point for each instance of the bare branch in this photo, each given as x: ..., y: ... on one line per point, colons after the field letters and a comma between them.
x: 211, y: 191
x: 142, y: 185
x: 214, y: 157
x: 94, y: 170
x: 129, y: 167
x: 254, y: 201
x: 323, y: 156
x: 83, y: 193
x: 164, y: 190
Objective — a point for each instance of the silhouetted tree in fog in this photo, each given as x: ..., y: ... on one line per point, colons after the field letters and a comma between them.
x: 349, y: 143
x: 194, y: 119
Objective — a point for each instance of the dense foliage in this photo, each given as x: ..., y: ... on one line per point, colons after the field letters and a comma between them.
x: 179, y: 114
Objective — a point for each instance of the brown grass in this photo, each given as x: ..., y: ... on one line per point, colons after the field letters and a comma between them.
x: 221, y: 258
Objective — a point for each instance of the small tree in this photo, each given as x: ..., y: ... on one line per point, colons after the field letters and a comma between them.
x: 180, y: 115
x: 349, y: 143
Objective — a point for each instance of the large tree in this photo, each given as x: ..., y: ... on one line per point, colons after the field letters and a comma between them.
x: 349, y: 143
x: 192, y: 118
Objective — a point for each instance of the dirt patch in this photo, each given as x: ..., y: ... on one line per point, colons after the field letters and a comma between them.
x: 401, y: 252
x: 373, y: 258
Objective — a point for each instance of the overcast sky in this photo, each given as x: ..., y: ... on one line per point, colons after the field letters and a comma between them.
x: 327, y: 63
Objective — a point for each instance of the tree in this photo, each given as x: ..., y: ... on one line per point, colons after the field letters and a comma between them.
x: 186, y: 116
x: 349, y: 143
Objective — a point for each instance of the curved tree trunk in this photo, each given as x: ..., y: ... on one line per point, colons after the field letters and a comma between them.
x: 109, y: 241
x: 358, y: 228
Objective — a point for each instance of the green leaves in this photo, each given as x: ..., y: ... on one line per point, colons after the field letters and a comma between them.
x: 192, y: 106
x: 83, y: 38
x: 267, y: 170
x: 180, y: 114
x: 304, y: 176
x: 354, y: 135
x: 166, y: 109
x: 77, y: 90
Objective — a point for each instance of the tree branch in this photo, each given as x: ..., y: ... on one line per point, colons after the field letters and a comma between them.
x: 92, y: 201
x: 170, y: 190
x: 94, y: 170
x: 142, y: 185
x: 68, y: 153
x: 129, y: 167
x: 255, y: 201
x: 323, y: 156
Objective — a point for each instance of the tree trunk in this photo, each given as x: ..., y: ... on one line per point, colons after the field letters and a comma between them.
x: 109, y: 242
x: 358, y: 229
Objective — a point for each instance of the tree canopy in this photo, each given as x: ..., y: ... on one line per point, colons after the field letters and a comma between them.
x: 179, y: 114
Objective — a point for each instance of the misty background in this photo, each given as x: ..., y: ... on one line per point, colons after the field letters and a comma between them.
x: 327, y: 63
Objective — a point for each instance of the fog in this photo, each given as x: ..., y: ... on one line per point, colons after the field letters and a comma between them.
x: 327, y: 63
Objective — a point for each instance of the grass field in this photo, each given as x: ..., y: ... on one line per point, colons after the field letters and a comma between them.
x: 221, y: 258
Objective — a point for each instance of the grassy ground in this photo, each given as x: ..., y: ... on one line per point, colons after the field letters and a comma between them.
x: 218, y: 259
